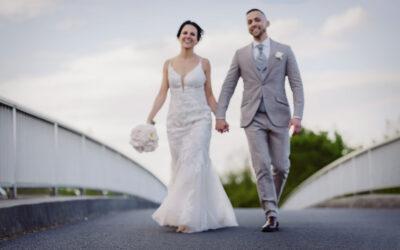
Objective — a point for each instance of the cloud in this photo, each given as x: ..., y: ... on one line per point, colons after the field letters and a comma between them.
x: 24, y: 9
x: 330, y: 80
x: 92, y: 77
x: 353, y: 102
x: 283, y: 29
x: 352, y: 18
x: 310, y: 43
x: 69, y: 24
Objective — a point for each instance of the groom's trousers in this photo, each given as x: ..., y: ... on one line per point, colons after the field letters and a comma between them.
x: 269, y: 145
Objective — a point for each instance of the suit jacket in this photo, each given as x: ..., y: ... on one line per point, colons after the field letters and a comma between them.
x: 271, y: 88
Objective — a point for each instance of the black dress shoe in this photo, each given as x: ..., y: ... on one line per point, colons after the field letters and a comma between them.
x: 271, y: 225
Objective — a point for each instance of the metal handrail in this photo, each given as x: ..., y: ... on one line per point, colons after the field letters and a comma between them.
x: 61, y: 125
x: 328, y: 172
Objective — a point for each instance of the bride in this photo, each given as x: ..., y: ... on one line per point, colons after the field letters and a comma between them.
x: 196, y: 200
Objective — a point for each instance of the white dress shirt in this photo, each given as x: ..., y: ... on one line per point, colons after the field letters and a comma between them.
x: 266, y: 48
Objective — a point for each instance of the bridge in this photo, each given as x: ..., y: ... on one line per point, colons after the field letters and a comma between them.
x: 365, y: 170
x: 37, y: 151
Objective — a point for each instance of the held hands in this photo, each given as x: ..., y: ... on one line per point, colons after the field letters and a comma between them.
x: 221, y: 126
x: 296, y: 123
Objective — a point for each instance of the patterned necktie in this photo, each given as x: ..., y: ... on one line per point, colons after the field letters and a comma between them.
x: 261, y: 60
x: 261, y: 64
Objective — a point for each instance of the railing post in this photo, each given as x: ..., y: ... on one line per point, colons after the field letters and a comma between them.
x: 371, y: 177
x: 14, y: 193
x: 83, y: 153
x: 353, y: 175
x: 54, y: 191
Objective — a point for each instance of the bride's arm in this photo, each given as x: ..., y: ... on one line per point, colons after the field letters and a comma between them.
x: 162, y: 94
x: 207, y: 88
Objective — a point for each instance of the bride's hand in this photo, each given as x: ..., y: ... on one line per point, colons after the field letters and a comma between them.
x: 151, y: 122
x: 221, y: 126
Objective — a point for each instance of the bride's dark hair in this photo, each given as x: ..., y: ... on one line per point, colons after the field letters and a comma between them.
x: 199, y: 30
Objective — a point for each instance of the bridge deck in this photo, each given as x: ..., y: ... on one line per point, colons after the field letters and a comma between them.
x: 300, y: 229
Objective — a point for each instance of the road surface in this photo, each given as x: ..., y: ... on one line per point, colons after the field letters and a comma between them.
x: 300, y: 229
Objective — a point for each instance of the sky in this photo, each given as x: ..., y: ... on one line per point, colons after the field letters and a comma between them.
x: 96, y: 65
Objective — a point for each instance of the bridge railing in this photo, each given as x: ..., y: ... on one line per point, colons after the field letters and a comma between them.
x: 374, y: 168
x: 36, y: 151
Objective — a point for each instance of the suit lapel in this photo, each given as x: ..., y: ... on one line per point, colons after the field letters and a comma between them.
x: 271, y: 57
x: 251, y: 58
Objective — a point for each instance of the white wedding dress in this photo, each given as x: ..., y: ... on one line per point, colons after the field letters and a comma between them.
x: 196, y: 198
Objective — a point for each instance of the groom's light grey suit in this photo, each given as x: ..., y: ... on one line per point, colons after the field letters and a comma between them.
x: 266, y: 123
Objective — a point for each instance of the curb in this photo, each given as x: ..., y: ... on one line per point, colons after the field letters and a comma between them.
x: 16, y: 220
x: 367, y: 201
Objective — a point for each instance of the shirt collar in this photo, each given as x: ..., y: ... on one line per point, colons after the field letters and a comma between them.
x: 266, y: 43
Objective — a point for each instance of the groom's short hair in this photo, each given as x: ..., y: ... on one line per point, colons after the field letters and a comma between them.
x: 249, y: 11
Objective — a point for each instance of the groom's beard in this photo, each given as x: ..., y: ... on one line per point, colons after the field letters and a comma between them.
x: 263, y: 31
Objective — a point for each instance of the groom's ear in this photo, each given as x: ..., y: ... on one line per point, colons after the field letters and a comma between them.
x: 267, y: 23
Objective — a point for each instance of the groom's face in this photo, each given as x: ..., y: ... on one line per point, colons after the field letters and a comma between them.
x: 256, y: 23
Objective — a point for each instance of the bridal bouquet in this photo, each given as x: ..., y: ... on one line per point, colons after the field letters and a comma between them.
x: 144, y: 138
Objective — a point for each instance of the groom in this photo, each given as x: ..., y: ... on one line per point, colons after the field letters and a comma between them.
x: 263, y: 66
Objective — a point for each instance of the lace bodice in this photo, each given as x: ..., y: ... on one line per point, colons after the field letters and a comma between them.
x: 188, y: 100
x: 193, y: 80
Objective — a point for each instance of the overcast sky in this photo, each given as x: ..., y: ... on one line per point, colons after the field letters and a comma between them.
x: 96, y: 65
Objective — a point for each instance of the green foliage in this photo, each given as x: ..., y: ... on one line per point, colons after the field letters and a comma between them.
x: 241, y: 188
x: 34, y: 191
x: 93, y: 192
x: 394, y: 190
x: 309, y: 153
x: 66, y: 191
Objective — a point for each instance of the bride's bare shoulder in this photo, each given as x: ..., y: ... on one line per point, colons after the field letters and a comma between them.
x: 206, y: 63
x: 205, y: 60
x: 167, y: 63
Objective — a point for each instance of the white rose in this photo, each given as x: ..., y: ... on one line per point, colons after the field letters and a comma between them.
x: 144, y: 138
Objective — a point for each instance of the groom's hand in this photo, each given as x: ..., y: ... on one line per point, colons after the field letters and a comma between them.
x: 296, y: 123
x: 221, y: 126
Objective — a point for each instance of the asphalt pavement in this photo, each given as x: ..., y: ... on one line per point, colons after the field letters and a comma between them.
x: 299, y: 229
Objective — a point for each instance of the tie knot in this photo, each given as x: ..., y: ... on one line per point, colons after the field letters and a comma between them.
x: 260, y: 46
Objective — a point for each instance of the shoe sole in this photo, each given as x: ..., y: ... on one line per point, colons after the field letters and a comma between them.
x: 269, y: 230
